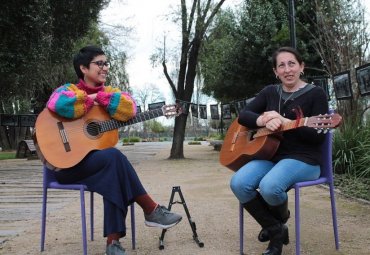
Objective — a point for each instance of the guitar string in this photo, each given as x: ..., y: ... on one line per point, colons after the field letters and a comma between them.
x: 97, y: 124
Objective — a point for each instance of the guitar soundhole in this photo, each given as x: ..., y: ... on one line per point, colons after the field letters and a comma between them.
x: 93, y: 129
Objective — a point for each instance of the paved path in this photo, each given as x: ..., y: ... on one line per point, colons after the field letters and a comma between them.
x: 205, y: 184
x: 21, y: 189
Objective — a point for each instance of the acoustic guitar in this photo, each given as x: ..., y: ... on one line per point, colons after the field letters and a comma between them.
x: 65, y: 142
x: 242, y: 145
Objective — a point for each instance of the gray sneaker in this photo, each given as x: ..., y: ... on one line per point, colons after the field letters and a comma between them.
x: 115, y: 248
x: 162, y: 218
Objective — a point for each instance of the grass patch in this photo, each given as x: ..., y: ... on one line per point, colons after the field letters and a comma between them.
x: 353, y: 187
x: 7, y: 155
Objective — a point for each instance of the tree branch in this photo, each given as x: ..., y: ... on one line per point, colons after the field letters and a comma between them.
x: 210, y: 18
x: 191, y: 17
x: 173, y: 87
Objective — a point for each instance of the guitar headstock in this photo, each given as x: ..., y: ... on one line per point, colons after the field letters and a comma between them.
x: 173, y: 110
x: 324, y: 122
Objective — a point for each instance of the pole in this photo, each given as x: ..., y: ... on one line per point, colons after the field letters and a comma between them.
x: 293, y: 38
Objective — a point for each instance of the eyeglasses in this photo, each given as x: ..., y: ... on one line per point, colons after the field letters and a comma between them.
x: 101, y: 64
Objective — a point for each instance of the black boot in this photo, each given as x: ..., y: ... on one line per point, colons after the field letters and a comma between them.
x: 263, y: 236
x: 282, y: 214
x: 260, y: 212
x: 275, y: 246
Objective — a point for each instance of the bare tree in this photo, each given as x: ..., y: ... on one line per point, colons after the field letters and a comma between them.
x: 342, y: 41
x: 148, y: 94
x: 194, y: 25
x: 342, y: 33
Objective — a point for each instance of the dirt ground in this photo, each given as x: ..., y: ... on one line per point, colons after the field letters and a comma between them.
x: 212, y: 206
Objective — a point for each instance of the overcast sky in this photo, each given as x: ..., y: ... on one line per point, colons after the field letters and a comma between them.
x: 149, y: 20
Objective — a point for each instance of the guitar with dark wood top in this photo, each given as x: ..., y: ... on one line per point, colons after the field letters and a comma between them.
x: 64, y: 142
x: 242, y: 145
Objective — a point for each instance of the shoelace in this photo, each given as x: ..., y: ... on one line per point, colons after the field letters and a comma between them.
x: 163, y: 210
x: 118, y: 245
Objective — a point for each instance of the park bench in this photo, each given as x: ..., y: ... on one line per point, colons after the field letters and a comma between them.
x: 26, y: 149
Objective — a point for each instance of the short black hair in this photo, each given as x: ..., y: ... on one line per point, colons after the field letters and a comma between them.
x: 84, y: 57
x: 286, y: 49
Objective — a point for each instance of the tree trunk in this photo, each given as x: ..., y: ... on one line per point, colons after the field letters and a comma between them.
x: 177, y: 150
x: 4, y: 140
x: 188, y: 63
x: 11, y: 136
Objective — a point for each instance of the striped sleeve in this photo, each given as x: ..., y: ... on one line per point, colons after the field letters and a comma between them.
x: 119, y: 105
x: 70, y: 102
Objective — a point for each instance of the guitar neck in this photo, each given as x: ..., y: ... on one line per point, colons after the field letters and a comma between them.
x: 112, y: 124
x: 287, y: 126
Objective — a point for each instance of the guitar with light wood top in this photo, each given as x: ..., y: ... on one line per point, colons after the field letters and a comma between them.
x: 242, y: 145
x: 64, y: 142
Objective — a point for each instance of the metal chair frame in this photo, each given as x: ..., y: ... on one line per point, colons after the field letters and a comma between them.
x: 325, y: 178
x: 49, y: 182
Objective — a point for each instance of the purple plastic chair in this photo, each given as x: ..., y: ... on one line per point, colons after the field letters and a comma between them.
x: 325, y: 178
x: 49, y: 182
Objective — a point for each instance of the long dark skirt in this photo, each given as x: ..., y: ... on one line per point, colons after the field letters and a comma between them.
x: 108, y: 173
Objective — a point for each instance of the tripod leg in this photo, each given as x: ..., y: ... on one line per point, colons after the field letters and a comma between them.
x: 191, y: 222
x: 161, y: 245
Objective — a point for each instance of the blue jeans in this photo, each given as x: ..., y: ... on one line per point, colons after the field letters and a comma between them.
x: 272, y: 179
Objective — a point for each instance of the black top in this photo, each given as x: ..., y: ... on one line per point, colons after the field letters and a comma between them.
x: 303, y: 143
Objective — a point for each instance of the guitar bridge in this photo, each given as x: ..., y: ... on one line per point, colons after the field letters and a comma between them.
x: 63, y: 136
x: 235, y: 137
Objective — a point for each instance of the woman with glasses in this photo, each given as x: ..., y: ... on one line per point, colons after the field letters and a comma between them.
x: 107, y: 171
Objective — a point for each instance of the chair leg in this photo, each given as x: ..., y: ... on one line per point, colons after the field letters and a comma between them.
x: 133, y: 234
x: 92, y: 216
x: 297, y: 223
x: 43, y: 218
x: 334, y: 215
x: 83, y: 220
x: 241, y: 228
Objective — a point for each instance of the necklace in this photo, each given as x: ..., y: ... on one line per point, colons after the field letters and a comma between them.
x: 286, y: 100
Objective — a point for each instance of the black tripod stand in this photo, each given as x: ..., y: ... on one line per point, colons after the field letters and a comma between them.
x: 191, y: 222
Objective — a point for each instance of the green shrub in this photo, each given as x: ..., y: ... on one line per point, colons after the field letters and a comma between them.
x: 133, y: 139
x: 351, y: 146
x: 194, y: 143
x: 217, y: 137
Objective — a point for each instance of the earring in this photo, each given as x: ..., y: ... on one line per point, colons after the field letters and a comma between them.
x: 277, y: 77
x: 302, y: 73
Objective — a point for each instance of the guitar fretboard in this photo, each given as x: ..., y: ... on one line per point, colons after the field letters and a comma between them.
x: 112, y: 124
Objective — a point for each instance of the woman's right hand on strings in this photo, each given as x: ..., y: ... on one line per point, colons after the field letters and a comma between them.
x: 272, y: 120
